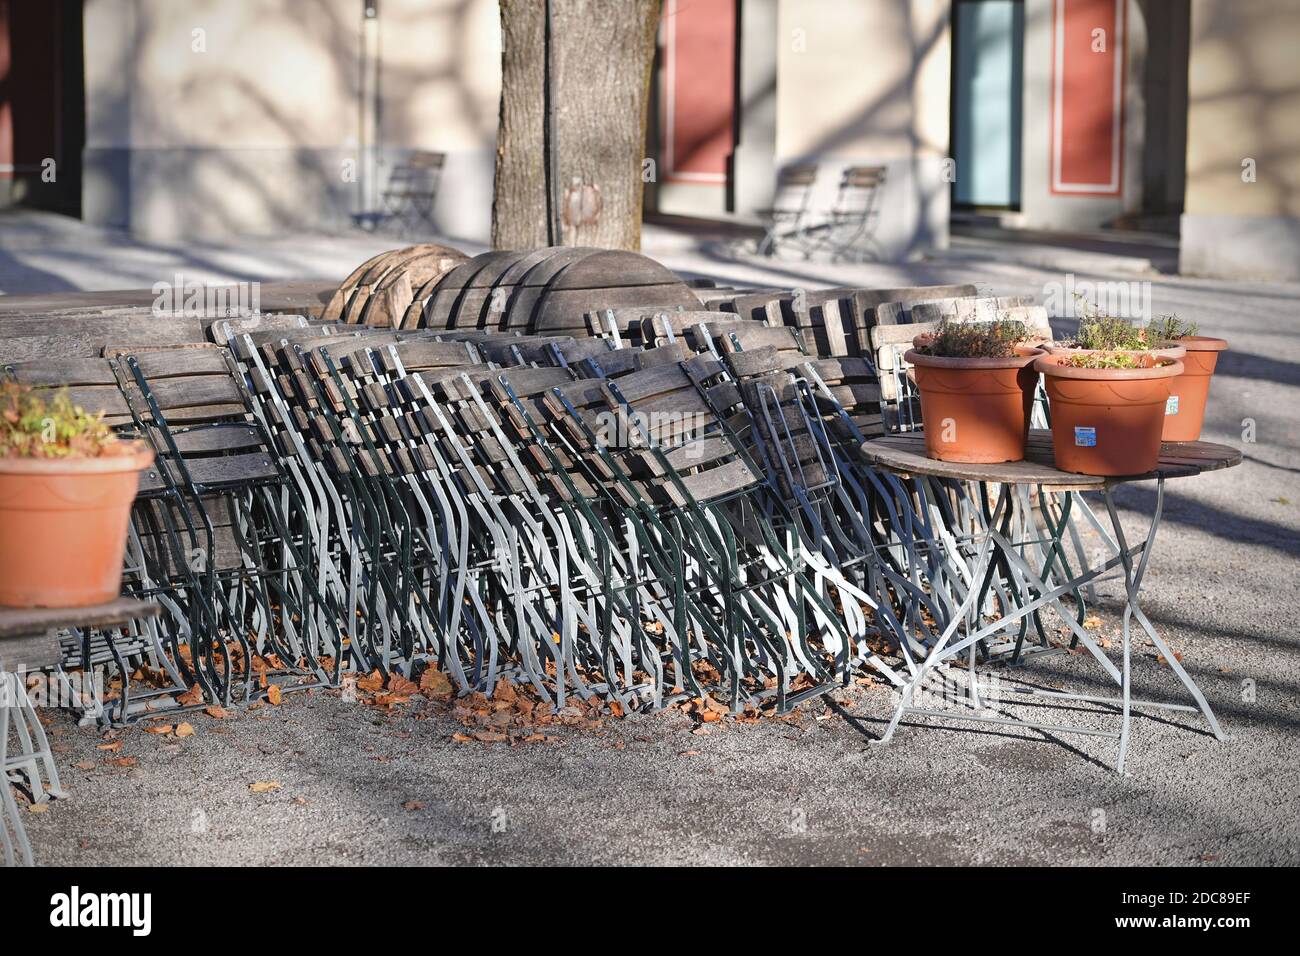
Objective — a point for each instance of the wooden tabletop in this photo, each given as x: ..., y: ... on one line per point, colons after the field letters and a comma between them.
x: 16, y: 622
x: 306, y: 297
x: 904, y: 455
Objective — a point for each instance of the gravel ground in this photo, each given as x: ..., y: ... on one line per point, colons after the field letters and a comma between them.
x: 812, y: 788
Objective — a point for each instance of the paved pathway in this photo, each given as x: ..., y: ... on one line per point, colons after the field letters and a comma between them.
x: 1223, y: 585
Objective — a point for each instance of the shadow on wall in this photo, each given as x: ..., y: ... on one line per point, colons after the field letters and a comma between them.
x: 1242, y: 213
x: 914, y: 207
x: 1249, y: 107
x: 214, y: 187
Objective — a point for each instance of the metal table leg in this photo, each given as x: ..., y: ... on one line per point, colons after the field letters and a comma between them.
x: 995, y: 547
x: 12, y: 834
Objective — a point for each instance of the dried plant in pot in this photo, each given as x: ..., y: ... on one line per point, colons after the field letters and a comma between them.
x: 1108, y: 409
x: 977, y: 388
x: 1189, y: 392
x: 66, y: 487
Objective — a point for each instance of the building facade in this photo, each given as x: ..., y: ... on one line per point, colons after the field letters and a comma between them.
x: 216, y: 118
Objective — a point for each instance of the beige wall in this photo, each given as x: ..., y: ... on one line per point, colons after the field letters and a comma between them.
x: 441, y: 73
x: 868, y: 82
x: 845, y: 78
x: 258, y: 123
x: 1244, y: 100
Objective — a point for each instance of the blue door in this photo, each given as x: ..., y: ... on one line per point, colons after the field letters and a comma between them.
x: 988, y: 40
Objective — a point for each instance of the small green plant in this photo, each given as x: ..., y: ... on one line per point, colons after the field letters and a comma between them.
x: 996, y: 339
x: 1106, y: 333
x: 32, y: 426
x: 1169, y: 328
x: 1109, y: 360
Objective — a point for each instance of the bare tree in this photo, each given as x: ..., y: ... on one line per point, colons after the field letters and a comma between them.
x: 571, y: 140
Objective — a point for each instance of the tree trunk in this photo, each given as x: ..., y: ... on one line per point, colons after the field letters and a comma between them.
x: 601, y: 57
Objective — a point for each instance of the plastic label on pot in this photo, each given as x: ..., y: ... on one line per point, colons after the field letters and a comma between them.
x: 1171, y: 405
x: 1085, y: 437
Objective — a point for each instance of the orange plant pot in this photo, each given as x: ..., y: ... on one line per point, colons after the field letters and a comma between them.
x: 975, y: 410
x: 1185, y: 410
x: 1107, y: 421
x: 63, y: 524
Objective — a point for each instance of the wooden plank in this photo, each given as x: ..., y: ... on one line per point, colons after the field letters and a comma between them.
x: 26, y: 653
x: 230, y: 469
x: 834, y: 370
x: 101, y: 398
x: 640, y: 385
x: 224, y: 330
x: 170, y: 363
x: 21, y: 621
x: 193, y: 391
x: 57, y: 372
x: 23, y: 339
x: 204, y: 439
x: 565, y: 308
x: 729, y: 478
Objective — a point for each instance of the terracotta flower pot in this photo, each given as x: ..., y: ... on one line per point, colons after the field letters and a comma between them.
x: 63, y: 524
x: 1107, y: 421
x: 975, y: 409
x: 1185, y: 411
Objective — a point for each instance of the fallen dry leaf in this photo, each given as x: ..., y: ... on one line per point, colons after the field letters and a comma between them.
x: 122, y: 762
x: 263, y: 786
x: 435, y: 684
x: 413, y: 805
x: 371, y: 683
x: 1092, y: 622
x: 689, y: 753
x: 184, y: 730
x: 715, y: 706
x: 84, y: 765
x: 489, y: 736
x: 112, y: 747
x: 399, y: 685
x: 462, y: 738
x: 220, y: 713
x: 273, y: 694
x: 38, y: 808
x: 191, y: 697
x: 159, y: 729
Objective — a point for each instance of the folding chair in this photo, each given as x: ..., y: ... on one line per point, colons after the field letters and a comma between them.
x: 849, y: 229
x: 787, y: 217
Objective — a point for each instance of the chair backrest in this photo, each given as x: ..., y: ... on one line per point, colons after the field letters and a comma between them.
x: 84, y: 334
x: 418, y: 176
x: 936, y: 308
x: 859, y: 188
x: 794, y: 184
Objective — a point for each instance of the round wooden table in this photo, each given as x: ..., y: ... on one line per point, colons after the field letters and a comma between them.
x: 904, y: 455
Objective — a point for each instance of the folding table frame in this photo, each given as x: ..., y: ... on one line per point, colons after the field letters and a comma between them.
x: 1042, y: 587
